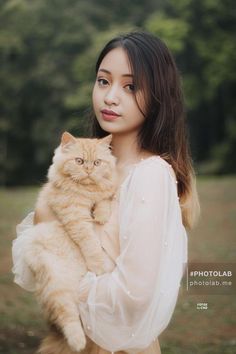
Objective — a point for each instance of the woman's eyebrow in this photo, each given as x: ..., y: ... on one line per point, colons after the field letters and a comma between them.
x: 108, y: 72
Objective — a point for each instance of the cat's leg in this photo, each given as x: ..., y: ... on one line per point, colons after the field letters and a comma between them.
x: 62, y: 310
x: 55, y: 343
x: 102, y: 211
x: 58, y: 301
x: 55, y: 287
x: 83, y: 234
x: 79, y: 225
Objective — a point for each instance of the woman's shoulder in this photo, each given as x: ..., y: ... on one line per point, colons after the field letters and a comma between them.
x: 154, y: 164
x: 148, y: 171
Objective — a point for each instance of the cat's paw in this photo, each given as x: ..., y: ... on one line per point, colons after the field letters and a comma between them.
x: 96, y: 267
x: 101, y: 265
x: 101, y: 218
x: 75, y: 336
x: 101, y: 215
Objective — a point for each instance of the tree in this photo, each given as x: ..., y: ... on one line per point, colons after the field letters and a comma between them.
x: 47, y: 54
x: 201, y: 35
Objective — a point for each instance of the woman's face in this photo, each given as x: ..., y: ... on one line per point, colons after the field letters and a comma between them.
x: 114, y: 91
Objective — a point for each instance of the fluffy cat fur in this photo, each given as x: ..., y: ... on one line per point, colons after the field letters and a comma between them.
x: 81, y: 182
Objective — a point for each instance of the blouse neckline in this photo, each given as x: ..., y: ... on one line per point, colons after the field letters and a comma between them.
x: 133, y: 167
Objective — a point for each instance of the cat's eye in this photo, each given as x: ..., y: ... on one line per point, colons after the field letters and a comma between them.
x: 79, y: 161
x: 97, y: 162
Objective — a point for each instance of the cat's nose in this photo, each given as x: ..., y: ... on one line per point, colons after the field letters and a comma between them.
x: 88, y: 167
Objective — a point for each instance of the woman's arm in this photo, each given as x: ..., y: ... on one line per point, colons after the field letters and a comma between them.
x: 128, y: 308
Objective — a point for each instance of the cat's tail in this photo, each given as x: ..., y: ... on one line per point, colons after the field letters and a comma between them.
x: 55, y: 343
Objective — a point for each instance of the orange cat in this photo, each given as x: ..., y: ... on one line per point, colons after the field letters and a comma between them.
x: 81, y: 183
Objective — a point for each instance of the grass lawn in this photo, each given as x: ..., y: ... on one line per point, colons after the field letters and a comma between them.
x: 191, y: 331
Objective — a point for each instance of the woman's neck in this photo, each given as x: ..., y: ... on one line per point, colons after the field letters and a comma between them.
x: 125, y: 148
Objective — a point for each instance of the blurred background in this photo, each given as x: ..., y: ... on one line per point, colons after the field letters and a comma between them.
x: 48, y: 51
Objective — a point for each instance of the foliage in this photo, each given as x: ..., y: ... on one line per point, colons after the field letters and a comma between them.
x: 201, y: 35
x: 48, y: 51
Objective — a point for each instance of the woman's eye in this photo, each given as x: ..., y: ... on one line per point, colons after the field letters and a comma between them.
x: 130, y: 87
x: 102, y: 82
x: 79, y: 161
x: 97, y: 162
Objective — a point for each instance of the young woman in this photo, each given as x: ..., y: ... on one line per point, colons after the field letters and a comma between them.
x: 137, y: 98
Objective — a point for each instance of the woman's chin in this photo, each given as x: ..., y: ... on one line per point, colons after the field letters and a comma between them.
x: 109, y: 127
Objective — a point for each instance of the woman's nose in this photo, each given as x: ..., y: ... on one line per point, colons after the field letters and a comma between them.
x: 111, y: 97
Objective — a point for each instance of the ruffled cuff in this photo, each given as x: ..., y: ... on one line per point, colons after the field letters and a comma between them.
x: 84, y: 286
x: 23, y: 276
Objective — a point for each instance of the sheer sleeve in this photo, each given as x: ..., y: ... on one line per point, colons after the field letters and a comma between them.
x: 23, y: 276
x: 129, y: 307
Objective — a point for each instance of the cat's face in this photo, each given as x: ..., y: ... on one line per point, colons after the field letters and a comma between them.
x: 84, y: 161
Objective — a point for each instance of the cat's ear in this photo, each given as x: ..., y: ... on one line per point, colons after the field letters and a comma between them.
x: 107, y: 140
x: 67, y: 140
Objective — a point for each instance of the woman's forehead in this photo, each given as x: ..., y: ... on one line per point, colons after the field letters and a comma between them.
x: 116, y: 62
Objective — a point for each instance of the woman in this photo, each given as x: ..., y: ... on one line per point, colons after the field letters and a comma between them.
x: 137, y: 98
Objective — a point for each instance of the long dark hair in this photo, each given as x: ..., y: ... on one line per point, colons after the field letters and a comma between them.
x: 164, y: 131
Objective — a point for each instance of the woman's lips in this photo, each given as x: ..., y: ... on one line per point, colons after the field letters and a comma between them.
x: 109, y: 115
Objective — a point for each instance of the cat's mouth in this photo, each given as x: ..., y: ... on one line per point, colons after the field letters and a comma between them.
x: 82, y: 179
x: 87, y: 180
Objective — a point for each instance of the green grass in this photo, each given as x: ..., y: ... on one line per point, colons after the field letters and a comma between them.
x: 190, y: 331
x: 21, y: 325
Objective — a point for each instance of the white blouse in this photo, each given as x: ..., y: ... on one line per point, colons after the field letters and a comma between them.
x: 128, y: 308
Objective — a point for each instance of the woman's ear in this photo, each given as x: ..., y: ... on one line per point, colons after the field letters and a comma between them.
x: 67, y: 140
